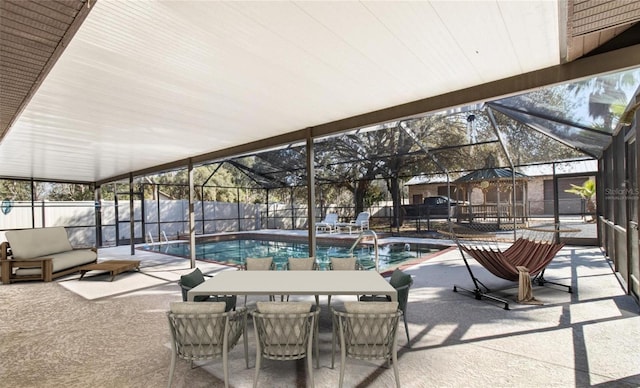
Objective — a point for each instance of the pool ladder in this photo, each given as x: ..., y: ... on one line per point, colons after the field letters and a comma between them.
x: 166, y: 240
x: 361, y: 236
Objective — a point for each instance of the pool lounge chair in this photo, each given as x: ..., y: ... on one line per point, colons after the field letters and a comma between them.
x: 328, y: 224
x: 359, y: 224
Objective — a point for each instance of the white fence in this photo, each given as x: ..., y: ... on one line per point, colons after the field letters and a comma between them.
x: 170, y: 217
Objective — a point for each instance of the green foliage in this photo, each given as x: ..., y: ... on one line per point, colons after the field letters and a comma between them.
x: 18, y: 190
x: 68, y: 192
x: 586, y: 191
x: 211, y: 183
x: 15, y: 190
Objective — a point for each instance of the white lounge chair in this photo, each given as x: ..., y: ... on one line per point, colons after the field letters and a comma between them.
x: 359, y: 224
x: 328, y: 224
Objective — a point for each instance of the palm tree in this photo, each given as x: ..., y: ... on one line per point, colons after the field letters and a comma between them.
x: 587, y: 191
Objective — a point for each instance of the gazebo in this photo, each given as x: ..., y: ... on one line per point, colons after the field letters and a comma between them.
x: 498, y: 205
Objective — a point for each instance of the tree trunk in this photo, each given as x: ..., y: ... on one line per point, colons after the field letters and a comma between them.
x: 393, y: 184
x: 359, y: 194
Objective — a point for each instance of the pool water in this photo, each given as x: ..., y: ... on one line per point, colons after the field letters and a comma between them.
x: 235, y: 251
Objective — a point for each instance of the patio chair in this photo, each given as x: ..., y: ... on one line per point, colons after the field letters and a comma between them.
x: 401, y: 282
x: 204, y: 331
x: 258, y: 264
x: 343, y: 264
x: 303, y: 264
x: 367, y: 331
x: 360, y: 223
x: 286, y: 331
x: 328, y: 224
x: 195, y: 278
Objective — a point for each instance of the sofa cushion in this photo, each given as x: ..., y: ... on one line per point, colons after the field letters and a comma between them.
x: 33, y: 243
x: 64, y: 260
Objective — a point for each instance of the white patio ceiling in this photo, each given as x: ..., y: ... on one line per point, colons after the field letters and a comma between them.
x: 147, y: 83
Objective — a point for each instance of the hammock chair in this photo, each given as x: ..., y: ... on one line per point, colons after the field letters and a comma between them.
x: 524, y: 259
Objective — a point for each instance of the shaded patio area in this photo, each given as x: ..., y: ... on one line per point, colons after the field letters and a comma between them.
x: 115, y: 334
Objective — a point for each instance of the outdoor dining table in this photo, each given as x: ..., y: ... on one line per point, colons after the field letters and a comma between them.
x: 295, y: 283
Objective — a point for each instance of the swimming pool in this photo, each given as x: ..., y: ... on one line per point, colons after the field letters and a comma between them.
x: 233, y: 252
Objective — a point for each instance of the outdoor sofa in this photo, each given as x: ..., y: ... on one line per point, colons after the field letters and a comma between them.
x: 41, y: 254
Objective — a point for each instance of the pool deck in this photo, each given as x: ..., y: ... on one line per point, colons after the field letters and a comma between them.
x: 115, y: 334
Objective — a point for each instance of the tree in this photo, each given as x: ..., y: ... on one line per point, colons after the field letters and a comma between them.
x: 587, y: 191
x: 68, y: 192
x: 15, y: 190
x: 212, y: 182
x: 608, y: 95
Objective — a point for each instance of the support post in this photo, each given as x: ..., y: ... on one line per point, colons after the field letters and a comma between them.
x: 311, y: 195
x: 132, y: 223
x: 192, y: 217
x: 97, y: 195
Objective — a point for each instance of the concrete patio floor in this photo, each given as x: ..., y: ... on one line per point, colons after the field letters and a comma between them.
x: 96, y: 333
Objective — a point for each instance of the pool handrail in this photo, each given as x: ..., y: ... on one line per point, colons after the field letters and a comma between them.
x: 375, y: 244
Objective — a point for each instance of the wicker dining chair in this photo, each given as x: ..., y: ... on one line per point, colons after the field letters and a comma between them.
x: 303, y: 264
x: 258, y: 264
x: 401, y: 282
x: 366, y: 331
x: 204, y: 331
x: 286, y: 331
x: 343, y: 264
x: 195, y: 278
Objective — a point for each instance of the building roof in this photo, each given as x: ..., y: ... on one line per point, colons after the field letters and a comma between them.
x: 490, y: 174
x: 538, y: 170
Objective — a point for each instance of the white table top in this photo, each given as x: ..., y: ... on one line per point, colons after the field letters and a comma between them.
x: 295, y: 283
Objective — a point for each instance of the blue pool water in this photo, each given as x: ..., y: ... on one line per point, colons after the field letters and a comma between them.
x: 235, y: 251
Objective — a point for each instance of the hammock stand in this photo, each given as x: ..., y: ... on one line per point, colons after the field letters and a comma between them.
x: 535, y: 255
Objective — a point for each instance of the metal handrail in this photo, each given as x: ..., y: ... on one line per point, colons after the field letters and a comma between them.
x: 166, y: 240
x: 375, y: 244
